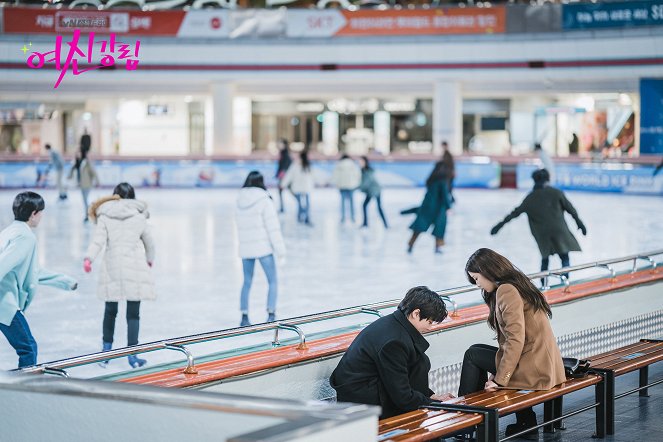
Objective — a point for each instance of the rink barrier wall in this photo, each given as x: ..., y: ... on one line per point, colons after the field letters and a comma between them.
x: 478, y: 173
x: 471, y: 172
x: 596, y: 177
x: 290, y: 372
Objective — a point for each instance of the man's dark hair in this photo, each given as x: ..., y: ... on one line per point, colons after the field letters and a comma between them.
x: 427, y: 301
x: 48, y: 146
x: 25, y: 203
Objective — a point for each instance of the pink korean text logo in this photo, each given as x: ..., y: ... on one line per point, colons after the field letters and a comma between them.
x: 109, y: 51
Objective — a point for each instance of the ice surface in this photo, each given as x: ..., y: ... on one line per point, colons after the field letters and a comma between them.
x: 329, y: 265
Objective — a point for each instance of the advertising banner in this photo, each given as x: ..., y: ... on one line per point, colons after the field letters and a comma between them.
x: 651, y: 116
x: 608, y: 177
x: 335, y: 23
x: 612, y: 15
x: 47, y: 21
x: 233, y: 173
x: 256, y: 23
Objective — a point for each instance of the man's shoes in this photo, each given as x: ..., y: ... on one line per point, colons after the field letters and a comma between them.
x: 521, y: 426
x: 271, y: 317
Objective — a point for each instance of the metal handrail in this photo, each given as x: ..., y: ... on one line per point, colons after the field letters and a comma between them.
x: 292, y: 323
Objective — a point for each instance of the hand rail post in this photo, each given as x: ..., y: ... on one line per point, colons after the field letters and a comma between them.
x: 190, y: 367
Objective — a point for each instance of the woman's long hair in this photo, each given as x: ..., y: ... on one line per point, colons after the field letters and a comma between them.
x: 439, y: 173
x: 306, y: 164
x: 496, y: 268
x: 255, y: 179
x: 448, y: 161
x: 367, y: 164
x: 125, y: 191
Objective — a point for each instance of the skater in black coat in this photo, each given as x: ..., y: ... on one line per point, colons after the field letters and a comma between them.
x: 545, y: 207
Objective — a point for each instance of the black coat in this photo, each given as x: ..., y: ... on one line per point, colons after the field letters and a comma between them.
x: 545, y: 209
x: 385, y: 365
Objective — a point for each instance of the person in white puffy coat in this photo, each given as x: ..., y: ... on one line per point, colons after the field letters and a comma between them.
x: 300, y: 180
x: 259, y: 234
x: 123, y: 232
x: 347, y: 177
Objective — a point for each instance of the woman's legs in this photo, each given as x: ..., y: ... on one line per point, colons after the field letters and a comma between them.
x: 413, y: 238
x: 364, y: 206
x: 384, y: 219
x: 248, y: 265
x: 85, y: 193
x: 307, y: 206
x: 269, y: 266
x: 133, y: 322
x: 110, y: 312
x: 479, y: 360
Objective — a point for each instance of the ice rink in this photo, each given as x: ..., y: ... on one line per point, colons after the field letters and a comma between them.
x: 198, y: 273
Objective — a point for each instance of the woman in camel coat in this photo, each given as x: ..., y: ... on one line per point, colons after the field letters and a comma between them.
x: 125, y: 272
x: 528, y: 357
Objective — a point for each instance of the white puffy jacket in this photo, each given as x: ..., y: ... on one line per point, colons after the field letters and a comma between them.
x: 347, y: 175
x: 299, y: 180
x: 258, y: 225
x: 123, y: 231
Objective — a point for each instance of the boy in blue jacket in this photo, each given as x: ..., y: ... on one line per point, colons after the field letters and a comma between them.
x: 20, y: 274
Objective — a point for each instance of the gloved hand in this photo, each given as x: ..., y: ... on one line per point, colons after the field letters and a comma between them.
x: 582, y: 228
x: 496, y: 228
x: 149, y: 263
x: 87, y: 265
x: 75, y: 286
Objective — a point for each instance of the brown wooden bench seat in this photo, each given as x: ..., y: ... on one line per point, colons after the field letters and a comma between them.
x: 483, y: 409
x: 422, y: 425
x: 638, y: 356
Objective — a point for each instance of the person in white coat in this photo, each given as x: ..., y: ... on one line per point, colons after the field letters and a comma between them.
x: 300, y: 179
x: 347, y: 177
x: 20, y: 274
x: 259, y: 234
x: 123, y: 231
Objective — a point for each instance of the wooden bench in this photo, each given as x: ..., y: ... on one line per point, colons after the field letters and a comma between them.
x: 484, y: 408
x: 638, y: 356
x: 425, y: 424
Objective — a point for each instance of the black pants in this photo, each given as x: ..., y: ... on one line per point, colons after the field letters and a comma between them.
x: 377, y: 199
x: 565, y: 263
x: 479, y: 360
x: 133, y: 321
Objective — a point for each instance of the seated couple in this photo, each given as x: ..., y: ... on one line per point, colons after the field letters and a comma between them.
x: 386, y: 364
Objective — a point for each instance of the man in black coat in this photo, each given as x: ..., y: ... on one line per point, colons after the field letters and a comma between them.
x: 386, y: 364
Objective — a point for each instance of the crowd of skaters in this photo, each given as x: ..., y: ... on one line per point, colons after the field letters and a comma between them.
x: 123, y: 233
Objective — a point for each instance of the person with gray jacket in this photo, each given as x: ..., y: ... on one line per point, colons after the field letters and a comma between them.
x: 370, y: 186
x: 123, y: 232
x: 86, y: 176
x: 259, y: 234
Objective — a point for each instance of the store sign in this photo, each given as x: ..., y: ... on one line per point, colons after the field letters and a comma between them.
x: 651, y: 116
x: 612, y: 15
x: 88, y: 51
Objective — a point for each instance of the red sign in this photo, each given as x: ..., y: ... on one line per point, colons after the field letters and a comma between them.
x: 425, y: 21
x: 39, y: 21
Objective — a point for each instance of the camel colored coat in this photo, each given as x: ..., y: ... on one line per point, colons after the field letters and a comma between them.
x: 528, y: 357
